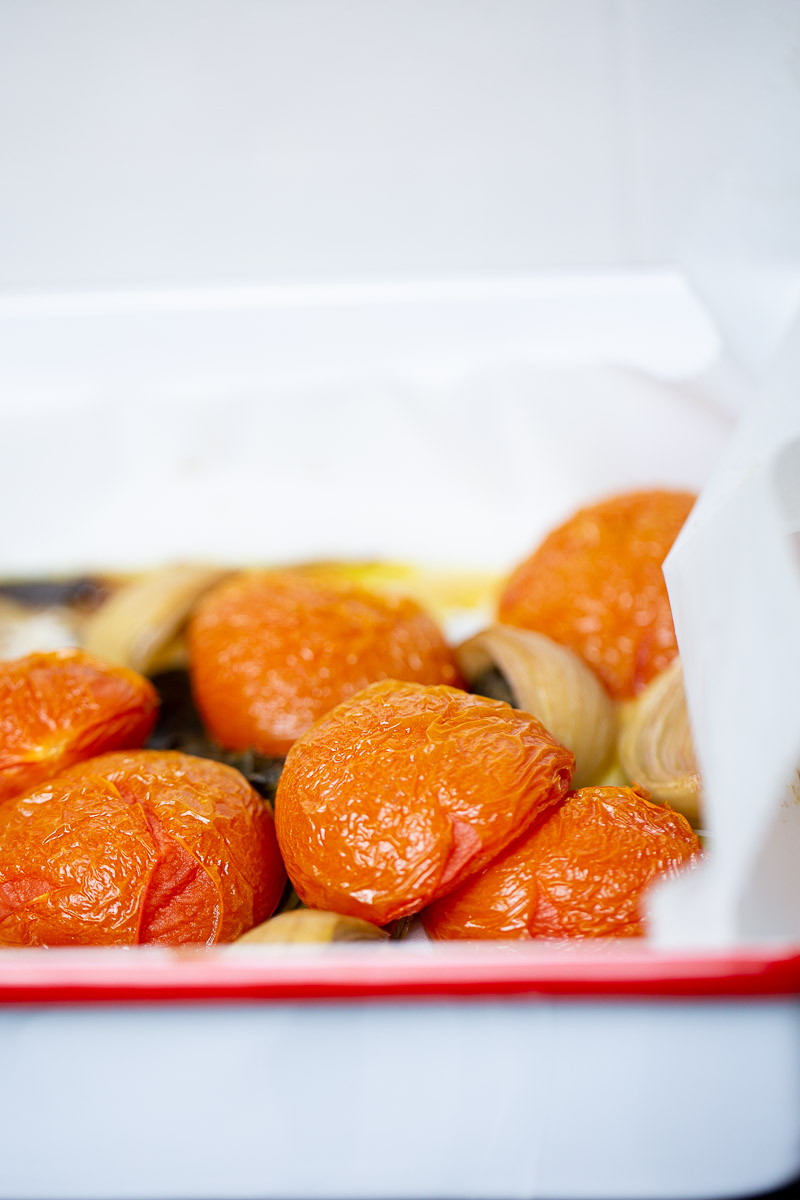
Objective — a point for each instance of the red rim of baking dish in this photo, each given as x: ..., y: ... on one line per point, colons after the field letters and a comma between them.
x: 395, y: 972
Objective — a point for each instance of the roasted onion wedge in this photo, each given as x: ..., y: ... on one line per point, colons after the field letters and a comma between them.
x: 655, y: 744
x: 313, y: 925
x: 534, y: 673
x: 138, y: 625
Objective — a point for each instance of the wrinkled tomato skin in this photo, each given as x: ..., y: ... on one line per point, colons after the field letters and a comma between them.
x: 404, y: 791
x: 63, y: 707
x: 580, y: 872
x: 271, y: 652
x: 140, y: 847
x: 596, y: 585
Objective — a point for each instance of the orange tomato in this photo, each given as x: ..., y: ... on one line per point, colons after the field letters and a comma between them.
x: 272, y: 651
x: 137, y: 847
x: 596, y: 585
x: 404, y: 791
x: 59, y: 708
x: 579, y: 872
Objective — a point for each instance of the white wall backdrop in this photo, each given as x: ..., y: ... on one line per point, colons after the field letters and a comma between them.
x: 187, y: 142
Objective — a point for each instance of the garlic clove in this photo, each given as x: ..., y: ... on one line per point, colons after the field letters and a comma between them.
x: 313, y: 925
x: 536, y: 674
x: 139, y: 625
x: 655, y: 744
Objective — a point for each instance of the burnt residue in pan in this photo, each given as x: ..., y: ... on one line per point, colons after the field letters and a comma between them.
x: 179, y: 723
x: 179, y: 727
x: 494, y: 685
x: 83, y: 593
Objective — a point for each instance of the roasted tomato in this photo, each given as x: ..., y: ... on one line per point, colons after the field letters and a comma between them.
x: 137, y: 847
x: 272, y: 651
x: 579, y: 872
x: 596, y: 585
x: 404, y: 791
x: 59, y: 708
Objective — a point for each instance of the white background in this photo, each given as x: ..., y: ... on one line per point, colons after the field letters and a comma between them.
x: 228, y: 141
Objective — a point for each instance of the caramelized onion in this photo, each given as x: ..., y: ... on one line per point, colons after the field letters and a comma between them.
x: 535, y: 674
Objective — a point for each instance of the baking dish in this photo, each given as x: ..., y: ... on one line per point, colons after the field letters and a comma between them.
x: 429, y: 1070
x: 250, y: 364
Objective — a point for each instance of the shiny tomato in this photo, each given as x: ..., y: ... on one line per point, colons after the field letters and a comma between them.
x: 137, y: 847
x: 581, y: 871
x: 596, y: 585
x: 404, y: 791
x: 272, y: 651
x: 59, y: 708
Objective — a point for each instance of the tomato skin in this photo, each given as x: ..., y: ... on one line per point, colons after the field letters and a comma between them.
x: 149, y: 847
x: 404, y: 791
x: 273, y: 651
x: 596, y: 585
x: 580, y: 871
x: 63, y: 707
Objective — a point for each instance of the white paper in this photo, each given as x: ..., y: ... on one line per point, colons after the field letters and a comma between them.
x: 734, y: 582
x: 465, y: 473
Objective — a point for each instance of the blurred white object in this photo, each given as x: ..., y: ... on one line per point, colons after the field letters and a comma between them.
x: 24, y: 632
